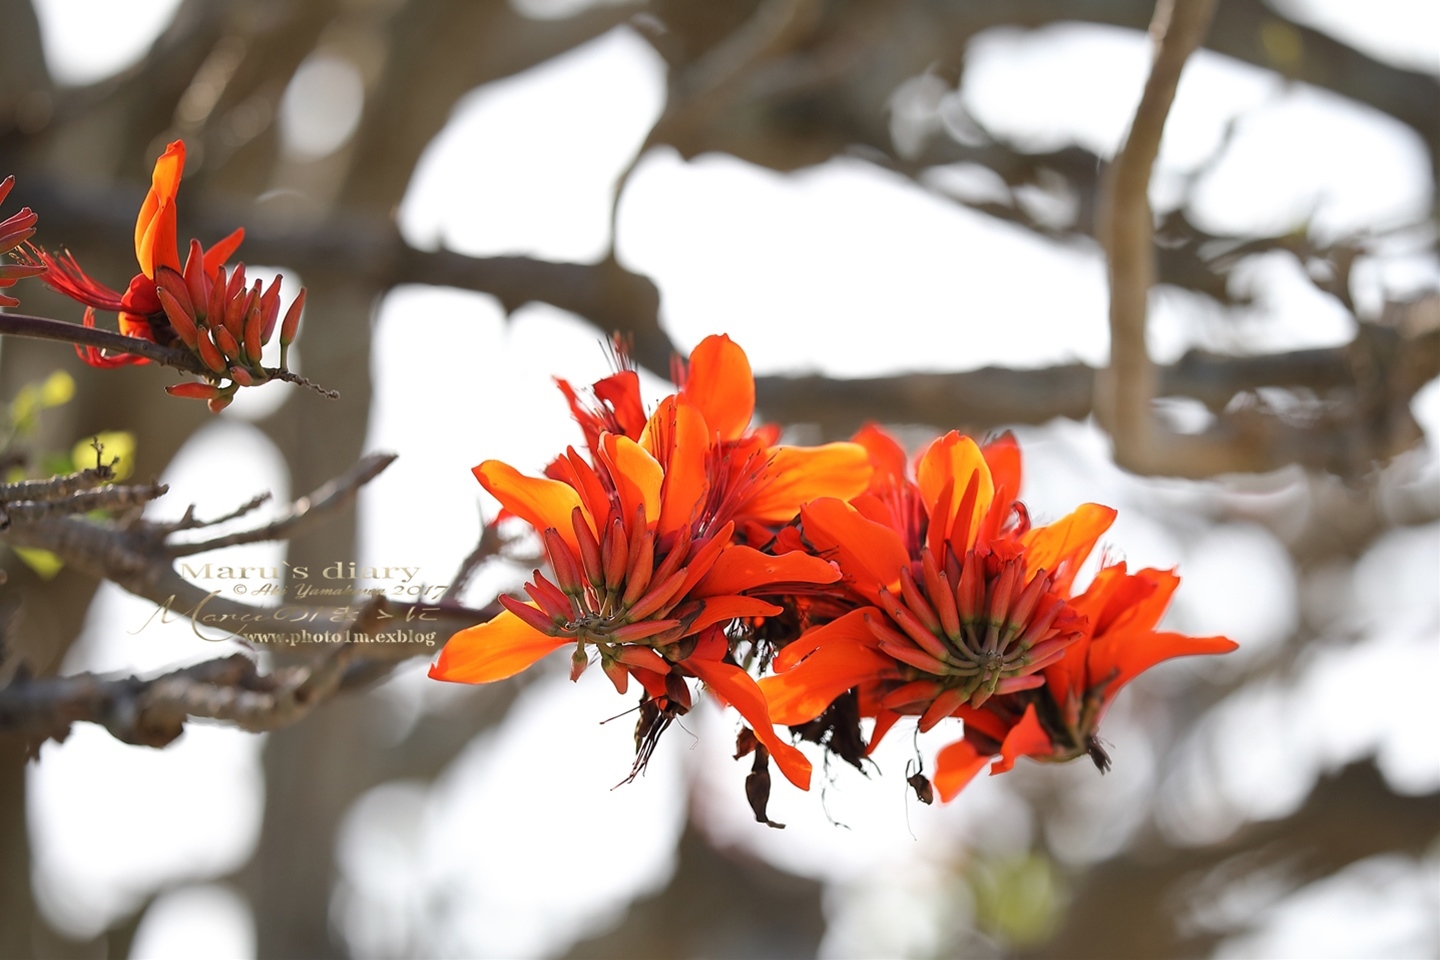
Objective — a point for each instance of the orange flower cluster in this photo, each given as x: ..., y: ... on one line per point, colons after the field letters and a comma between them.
x: 220, y: 319
x: 686, y: 545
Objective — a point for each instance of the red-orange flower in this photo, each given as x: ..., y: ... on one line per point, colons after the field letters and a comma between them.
x: 143, y: 310
x: 1058, y: 721
x: 642, y: 544
x: 15, y: 230
x: 964, y: 606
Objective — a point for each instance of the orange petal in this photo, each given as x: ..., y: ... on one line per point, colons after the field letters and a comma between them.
x: 164, y: 184
x: 837, y: 663
x: 221, y: 251
x: 887, y: 457
x: 869, y: 553
x: 742, y: 568
x: 540, y: 502
x: 955, y: 766
x: 721, y: 385
x: 739, y: 690
x: 797, y: 475
x: 493, y: 651
x: 158, y: 246
x: 850, y: 627
x: 679, y: 438
x: 1026, y: 739
x: 952, y: 460
x: 1061, y: 547
x: 637, y: 475
x: 1131, y: 653
x: 719, y: 609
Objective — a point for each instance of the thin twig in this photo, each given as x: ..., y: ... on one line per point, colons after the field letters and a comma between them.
x: 335, y: 495
x: 44, y: 328
x: 488, y: 546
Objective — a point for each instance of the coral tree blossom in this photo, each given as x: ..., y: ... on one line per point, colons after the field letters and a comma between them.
x: 15, y: 230
x: 642, y: 538
x: 197, y: 304
x: 963, y: 609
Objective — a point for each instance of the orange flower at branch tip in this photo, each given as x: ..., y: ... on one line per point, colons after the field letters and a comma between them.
x: 964, y: 609
x: 15, y: 230
x: 195, y: 304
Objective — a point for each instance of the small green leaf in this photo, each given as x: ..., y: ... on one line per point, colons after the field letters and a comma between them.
x: 43, y: 562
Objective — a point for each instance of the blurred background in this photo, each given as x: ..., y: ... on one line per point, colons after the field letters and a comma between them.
x: 891, y: 205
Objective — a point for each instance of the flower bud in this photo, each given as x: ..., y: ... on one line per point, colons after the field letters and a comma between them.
x: 193, y: 391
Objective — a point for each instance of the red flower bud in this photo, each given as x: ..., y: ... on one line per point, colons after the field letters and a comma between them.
x: 292, y: 320
x: 193, y: 391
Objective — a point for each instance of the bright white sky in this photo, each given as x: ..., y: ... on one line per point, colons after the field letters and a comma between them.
x: 802, y: 270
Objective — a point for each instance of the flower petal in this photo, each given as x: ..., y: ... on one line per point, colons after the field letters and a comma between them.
x: 721, y: 385
x: 540, y: 502
x: 719, y: 609
x: 164, y: 185
x: 842, y: 655
x: 222, y: 250
x: 887, y: 457
x: 1128, y: 654
x: 493, y: 651
x: 870, y: 554
x: 797, y: 475
x: 742, y: 568
x: 951, y: 461
x: 622, y: 391
x: 637, y: 475
x: 738, y: 688
x: 955, y: 766
x: 679, y: 438
x: 1061, y: 547
x: 1026, y: 739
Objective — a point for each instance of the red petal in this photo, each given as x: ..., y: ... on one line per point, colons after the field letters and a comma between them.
x: 955, y: 766
x: 1026, y: 739
x: 622, y: 391
x: 887, y: 457
x: 1129, y: 654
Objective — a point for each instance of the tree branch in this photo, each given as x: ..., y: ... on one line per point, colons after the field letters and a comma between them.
x: 1125, y: 389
